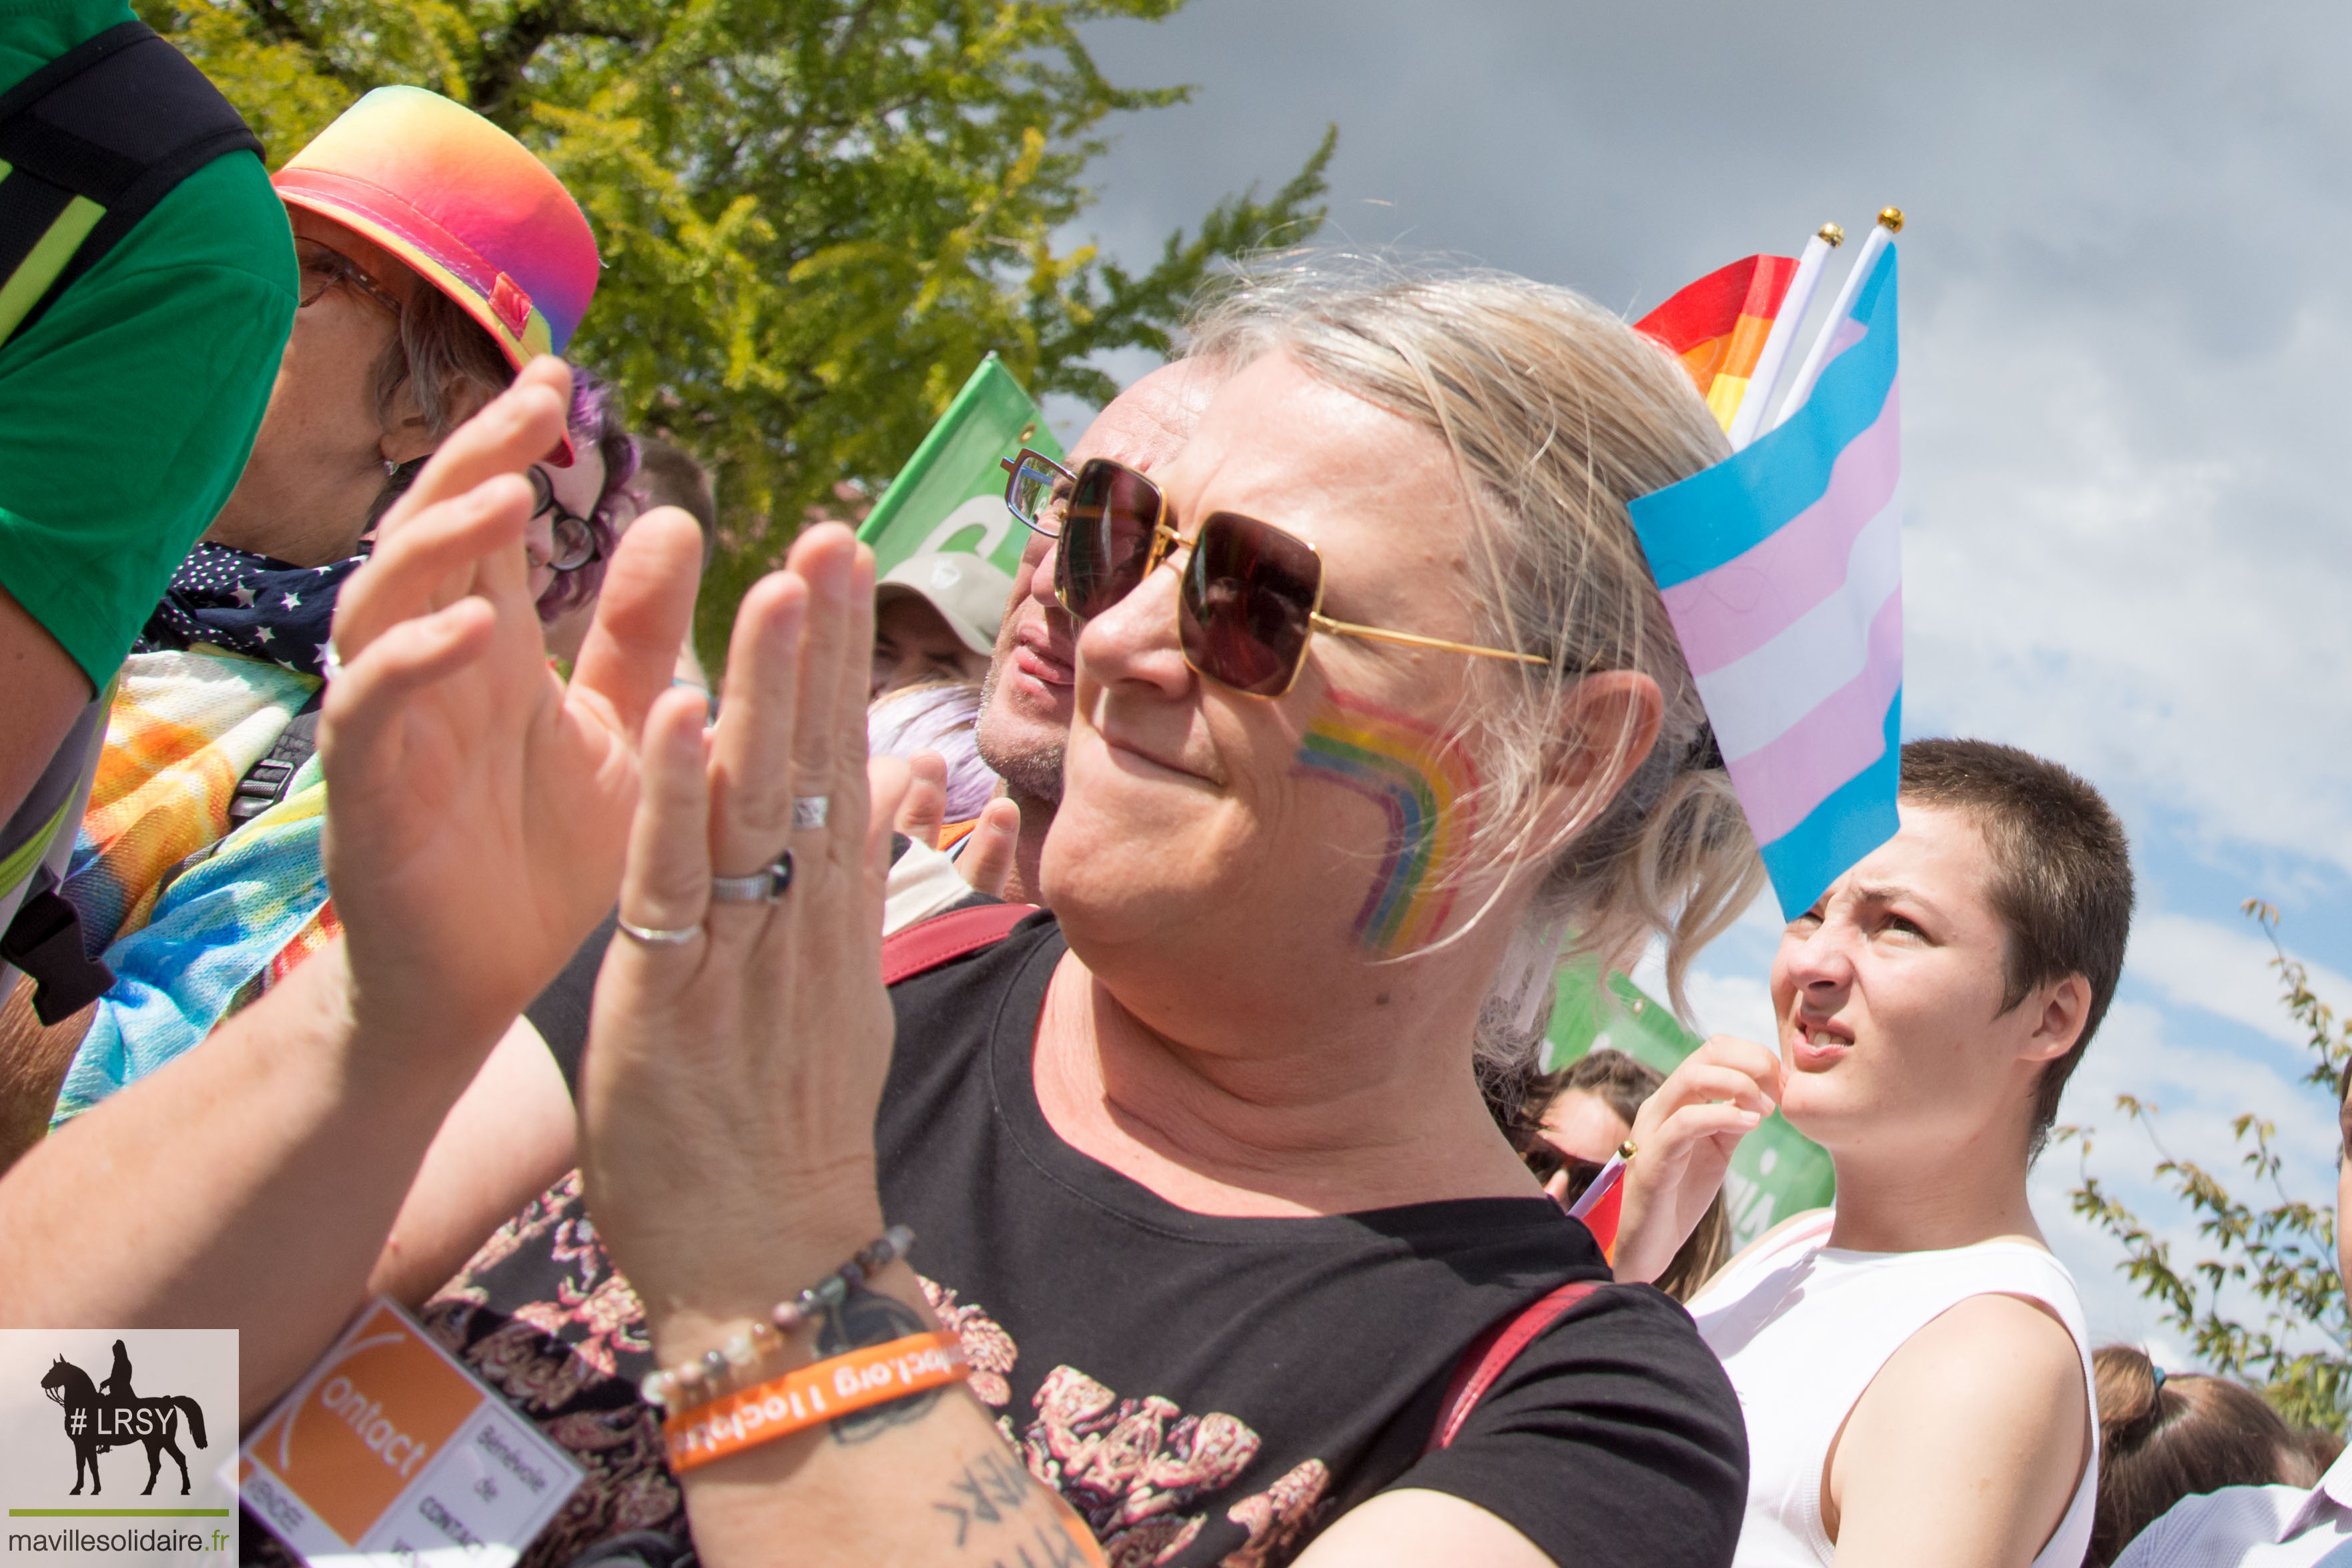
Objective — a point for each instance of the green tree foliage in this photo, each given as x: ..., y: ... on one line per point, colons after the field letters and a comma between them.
x: 816, y: 216
x: 2277, y: 1251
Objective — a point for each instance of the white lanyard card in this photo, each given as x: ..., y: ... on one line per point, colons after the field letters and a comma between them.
x: 389, y: 1453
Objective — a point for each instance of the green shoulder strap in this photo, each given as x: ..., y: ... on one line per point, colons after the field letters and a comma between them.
x: 88, y: 144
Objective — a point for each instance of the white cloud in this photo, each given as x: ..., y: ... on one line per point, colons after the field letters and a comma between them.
x: 2199, y: 1090
x: 2222, y: 970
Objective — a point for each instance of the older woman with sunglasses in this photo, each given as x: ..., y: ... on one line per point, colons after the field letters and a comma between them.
x: 1200, y: 1180
x: 1189, y: 1192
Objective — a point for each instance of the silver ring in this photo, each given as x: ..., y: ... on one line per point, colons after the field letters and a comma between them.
x: 330, y: 663
x: 760, y: 887
x: 655, y: 936
x: 809, y: 810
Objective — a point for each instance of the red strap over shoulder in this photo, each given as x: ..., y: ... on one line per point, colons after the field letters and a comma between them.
x: 928, y: 944
x: 1491, y: 1354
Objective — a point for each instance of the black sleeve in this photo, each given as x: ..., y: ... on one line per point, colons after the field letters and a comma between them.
x: 1615, y: 1438
x: 560, y: 1013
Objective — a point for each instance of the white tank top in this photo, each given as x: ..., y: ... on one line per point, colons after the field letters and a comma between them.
x: 1803, y: 1328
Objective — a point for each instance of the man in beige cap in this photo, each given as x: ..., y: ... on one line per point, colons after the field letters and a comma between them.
x: 935, y: 617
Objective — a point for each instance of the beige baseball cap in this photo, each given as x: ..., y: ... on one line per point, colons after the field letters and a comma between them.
x: 970, y: 593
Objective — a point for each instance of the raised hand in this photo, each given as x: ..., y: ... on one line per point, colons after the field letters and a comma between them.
x: 738, y: 1049
x: 478, y: 807
x: 1684, y: 1135
x: 988, y: 854
x: 924, y: 812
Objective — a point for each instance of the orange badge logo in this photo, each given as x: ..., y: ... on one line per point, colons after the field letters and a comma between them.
x: 367, y: 1423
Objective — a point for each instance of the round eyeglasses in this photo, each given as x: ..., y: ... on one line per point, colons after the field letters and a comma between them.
x: 322, y: 266
x: 575, y: 536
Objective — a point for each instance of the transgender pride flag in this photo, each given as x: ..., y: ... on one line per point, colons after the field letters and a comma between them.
x: 1782, y: 572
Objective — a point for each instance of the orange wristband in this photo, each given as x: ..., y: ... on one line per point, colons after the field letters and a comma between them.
x: 799, y: 1400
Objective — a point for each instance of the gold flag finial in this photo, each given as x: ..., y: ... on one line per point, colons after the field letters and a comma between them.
x: 1891, y: 219
x: 1831, y: 232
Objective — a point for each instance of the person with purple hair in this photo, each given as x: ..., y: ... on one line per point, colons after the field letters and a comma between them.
x: 591, y: 502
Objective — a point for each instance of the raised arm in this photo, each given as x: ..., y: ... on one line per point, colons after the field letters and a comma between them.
x: 729, y: 1094
x: 1683, y: 1137
x: 476, y: 812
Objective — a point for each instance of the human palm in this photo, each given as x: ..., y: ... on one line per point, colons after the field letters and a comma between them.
x: 478, y: 807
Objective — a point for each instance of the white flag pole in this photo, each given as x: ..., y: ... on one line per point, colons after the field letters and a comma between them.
x: 1749, y: 421
x: 1890, y: 224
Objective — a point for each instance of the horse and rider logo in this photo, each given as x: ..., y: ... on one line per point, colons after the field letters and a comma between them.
x: 111, y: 1415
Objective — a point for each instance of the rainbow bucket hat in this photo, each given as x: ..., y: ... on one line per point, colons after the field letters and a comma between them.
x: 468, y: 207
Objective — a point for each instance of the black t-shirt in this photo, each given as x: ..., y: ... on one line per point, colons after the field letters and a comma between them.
x: 1202, y: 1390
x: 1208, y: 1390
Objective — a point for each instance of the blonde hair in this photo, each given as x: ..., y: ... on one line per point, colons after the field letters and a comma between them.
x: 1557, y: 415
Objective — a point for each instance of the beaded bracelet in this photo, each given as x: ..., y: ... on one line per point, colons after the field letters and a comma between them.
x: 677, y: 1389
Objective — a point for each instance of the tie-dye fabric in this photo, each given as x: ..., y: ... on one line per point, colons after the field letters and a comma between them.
x: 185, y: 726
x: 215, y: 938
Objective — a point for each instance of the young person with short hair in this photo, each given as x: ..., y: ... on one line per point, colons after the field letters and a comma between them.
x: 1913, y: 1362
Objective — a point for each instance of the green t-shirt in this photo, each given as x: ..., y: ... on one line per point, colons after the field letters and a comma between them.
x: 127, y: 410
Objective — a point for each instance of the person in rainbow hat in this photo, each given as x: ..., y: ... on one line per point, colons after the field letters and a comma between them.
x: 437, y: 256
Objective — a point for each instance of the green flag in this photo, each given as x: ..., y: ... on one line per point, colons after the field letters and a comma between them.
x: 950, y: 495
x: 1777, y: 1171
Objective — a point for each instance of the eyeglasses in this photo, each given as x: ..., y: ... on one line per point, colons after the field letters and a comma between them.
x: 575, y: 536
x: 1029, y: 493
x: 324, y: 267
x: 1251, y: 598
x: 1546, y: 1162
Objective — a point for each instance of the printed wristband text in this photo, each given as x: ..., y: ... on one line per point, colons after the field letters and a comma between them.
x: 798, y: 1400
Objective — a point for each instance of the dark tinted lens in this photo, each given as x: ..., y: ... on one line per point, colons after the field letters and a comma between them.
x: 1243, y: 614
x: 1106, y: 537
x: 1580, y: 1174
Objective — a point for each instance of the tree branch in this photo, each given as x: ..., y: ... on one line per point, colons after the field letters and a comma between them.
x: 279, y: 25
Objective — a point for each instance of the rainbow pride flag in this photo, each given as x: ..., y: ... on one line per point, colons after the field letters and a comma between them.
x: 1782, y: 572
x: 1719, y: 324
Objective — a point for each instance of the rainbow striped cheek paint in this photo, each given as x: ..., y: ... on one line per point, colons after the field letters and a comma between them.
x: 1426, y: 784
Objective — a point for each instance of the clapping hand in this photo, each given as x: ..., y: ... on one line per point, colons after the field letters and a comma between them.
x: 742, y: 1032
x: 986, y: 860
x: 478, y: 805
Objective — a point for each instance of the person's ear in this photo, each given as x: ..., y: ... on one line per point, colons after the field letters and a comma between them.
x: 1608, y: 722
x: 2065, y: 1006
x: 407, y: 433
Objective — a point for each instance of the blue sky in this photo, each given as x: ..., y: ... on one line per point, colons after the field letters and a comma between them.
x: 2126, y: 317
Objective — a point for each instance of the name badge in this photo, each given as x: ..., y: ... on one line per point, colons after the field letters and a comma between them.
x: 391, y: 1453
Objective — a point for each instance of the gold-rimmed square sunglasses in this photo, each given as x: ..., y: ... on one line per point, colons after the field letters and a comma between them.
x: 1250, y: 596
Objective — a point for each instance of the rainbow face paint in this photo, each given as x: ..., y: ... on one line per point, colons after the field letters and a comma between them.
x: 1426, y: 784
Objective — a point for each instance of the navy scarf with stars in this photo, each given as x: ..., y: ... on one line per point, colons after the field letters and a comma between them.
x: 249, y: 604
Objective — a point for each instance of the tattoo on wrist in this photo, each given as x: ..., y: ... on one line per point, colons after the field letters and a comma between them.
x: 995, y: 1490
x: 869, y: 1318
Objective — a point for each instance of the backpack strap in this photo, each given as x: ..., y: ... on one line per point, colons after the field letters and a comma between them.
x: 264, y: 783
x: 44, y: 941
x: 1491, y: 1354
x: 928, y: 944
x: 88, y: 144
x: 40, y: 932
